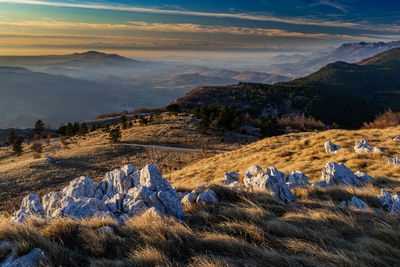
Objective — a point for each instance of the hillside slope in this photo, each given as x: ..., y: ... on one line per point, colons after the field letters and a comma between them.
x: 348, y: 94
x: 304, y: 152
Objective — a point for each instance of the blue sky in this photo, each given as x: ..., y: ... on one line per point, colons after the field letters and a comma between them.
x: 235, y: 24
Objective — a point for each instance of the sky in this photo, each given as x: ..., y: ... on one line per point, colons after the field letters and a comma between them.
x: 56, y: 26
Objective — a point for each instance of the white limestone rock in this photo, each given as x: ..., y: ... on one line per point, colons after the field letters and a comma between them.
x: 199, y: 189
x: 394, y: 161
x: 320, y: 184
x: 331, y: 147
x: 355, y: 203
x: 151, y: 177
x: 189, y: 200
x: 363, y: 146
x: 297, y: 179
x: 253, y: 171
x: 232, y: 176
x: 116, y: 203
x: 85, y: 208
x: 207, y: 198
x: 339, y: 174
x: 392, y: 203
x: 52, y: 203
x: 30, y: 207
x: 182, y: 194
x: 117, y: 181
x: 34, y: 258
x: 363, y: 177
x: 81, y: 187
x: 396, y: 138
x: 275, y: 172
x: 272, y: 183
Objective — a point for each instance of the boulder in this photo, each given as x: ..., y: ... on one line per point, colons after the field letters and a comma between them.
x: 34, y: 258
x: 199, y: 189
x: 233, y: 176
x: 363, y: 146
x: 355, y: 203
x: 394, y: 161
x: 123, y: 192
x: 339, y: 174
x: 274, y: 172
x: 189, y: 200
x: 253, y: 171
x: 392, y: 203
x: 52, y: 203
x: 85, y: 208
x: 331, y: 147
x: 396, y: 138
x: 30, y: 207
x: 297, y: 179
x: 320, y: 184
x: 207, y: 198
x: 117, y: 181
x: 271, y: 180
x: 363, y: 177
x: 81, y: 187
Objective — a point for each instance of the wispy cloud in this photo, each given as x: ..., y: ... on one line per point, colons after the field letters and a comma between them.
x: 329, y: 3
x: 244, y: 16
x: 167, y: 27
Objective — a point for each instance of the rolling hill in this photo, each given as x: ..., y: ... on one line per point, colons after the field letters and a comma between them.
x: 347, y: 94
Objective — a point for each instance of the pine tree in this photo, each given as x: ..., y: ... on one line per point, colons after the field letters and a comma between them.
x: 11, y: 137
x: 39, y: 127
x: 83, y: 129
x: 115, y: 135
x: 69, y: 130
x: 17, y: 145
x: 123, y: 120
x: 93, y: 128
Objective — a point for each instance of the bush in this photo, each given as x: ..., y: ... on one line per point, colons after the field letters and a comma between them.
x: 39, y: 127
x: 11, y: 137
x: 115, y: 135
x: 384, y: 120
x: 123, y: 121
x: 17, y: 145
x: 83, y: 129
x: 271, y: 128
x: 37, y: 147
x: 301, y: 123
x: 218, y: 117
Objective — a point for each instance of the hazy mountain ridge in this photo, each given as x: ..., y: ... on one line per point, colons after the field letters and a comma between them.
x: 350, y: 53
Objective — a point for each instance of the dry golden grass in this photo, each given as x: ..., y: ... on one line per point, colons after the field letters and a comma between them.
x: 305, y: 152
x: 246, y: 229
x: 93, y: 155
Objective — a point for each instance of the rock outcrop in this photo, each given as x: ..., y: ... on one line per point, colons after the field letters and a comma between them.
x: 30, y: 207
x: 363, y: 146
x: 272, y: 181
x: 123, y: 192
x: 339, y: 174
x: 355, y: 203
x: 331, y: 147
x: 34, y: 258
x: 392, y: 203
x: 297, y: 179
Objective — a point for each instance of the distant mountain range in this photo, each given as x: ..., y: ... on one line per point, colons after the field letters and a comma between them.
x: 347, y: 94
x: 349, y: 53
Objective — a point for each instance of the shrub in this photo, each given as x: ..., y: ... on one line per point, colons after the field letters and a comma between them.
x: 271, y: 128
x: 39, y: 127
x: 173, y: 108
x: 123, y: 121
x: 17, y: 145
x: 83, y: 129
x: 301, y: 123
x: 37, y: 147
x: 384, y: 120
x: 11, y: 137
x: 115, y: 135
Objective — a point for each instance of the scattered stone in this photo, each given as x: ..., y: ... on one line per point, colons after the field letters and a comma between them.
x: 34, y: 258
x: 356, y: 203
x: 253, y: 171
x: 233, y: 176
x: 363, y: 146
x: 320, y: 184
x: 207, y: 198
x: 331, y: 147
x: 30, y: 207
x: 199, y: 189
x: 396, y: 138
x: 272, y: 181
x: 395, y: 161
x: 363, y: 177
x: 339, y: 174
x: 392, y: 203
x: 189, y: 200
x: 49, y: 160
x: 297, y: 179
